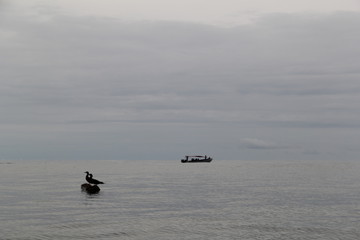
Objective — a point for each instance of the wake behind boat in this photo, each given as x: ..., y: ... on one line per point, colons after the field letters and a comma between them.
x: 196, y: 159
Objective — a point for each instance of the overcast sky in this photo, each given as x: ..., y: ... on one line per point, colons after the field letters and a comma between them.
x: 139, y: 79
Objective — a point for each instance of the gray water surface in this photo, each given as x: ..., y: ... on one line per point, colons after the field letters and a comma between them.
x: 170, y: 200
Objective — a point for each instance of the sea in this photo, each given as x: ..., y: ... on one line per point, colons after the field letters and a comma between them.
x: 170, y: 200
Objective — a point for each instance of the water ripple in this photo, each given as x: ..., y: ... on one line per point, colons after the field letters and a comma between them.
x: 169, y: 201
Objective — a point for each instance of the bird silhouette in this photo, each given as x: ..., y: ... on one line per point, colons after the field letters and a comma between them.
x: 89, y: 178
x: 95, y: 181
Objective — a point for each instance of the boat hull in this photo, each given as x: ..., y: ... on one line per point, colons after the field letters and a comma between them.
x: 197, y: 160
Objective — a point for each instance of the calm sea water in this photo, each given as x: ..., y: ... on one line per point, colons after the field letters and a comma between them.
x: 170, y: 200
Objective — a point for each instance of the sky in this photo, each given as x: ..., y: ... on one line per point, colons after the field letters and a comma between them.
x: 160, y: 79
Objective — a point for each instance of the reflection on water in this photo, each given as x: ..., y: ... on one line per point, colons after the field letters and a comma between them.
x: 169, y: 200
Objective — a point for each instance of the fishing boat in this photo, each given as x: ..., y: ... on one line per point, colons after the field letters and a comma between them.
x: 196, y: 159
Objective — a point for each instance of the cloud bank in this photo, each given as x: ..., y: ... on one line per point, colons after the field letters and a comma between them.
x: 92, y: 87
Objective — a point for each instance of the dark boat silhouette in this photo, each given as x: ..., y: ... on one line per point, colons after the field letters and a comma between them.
x: 196, y: 159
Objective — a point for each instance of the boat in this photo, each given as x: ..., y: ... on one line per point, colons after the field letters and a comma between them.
x: 196, y: 159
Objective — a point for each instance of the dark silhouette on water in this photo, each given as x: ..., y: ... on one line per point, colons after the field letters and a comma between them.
x: 89, y: 178
x: 95, y: 181
x: 196, y: 159
x: 88, y: 187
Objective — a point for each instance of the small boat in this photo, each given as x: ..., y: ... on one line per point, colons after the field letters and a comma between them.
x: 196, y: 159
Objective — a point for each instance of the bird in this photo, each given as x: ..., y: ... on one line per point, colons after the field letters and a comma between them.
x: 89, y: 179
x: 95, y: 181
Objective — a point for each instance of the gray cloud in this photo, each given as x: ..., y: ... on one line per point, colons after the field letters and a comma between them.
x: 93, y: 76
x: 253, y: 143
